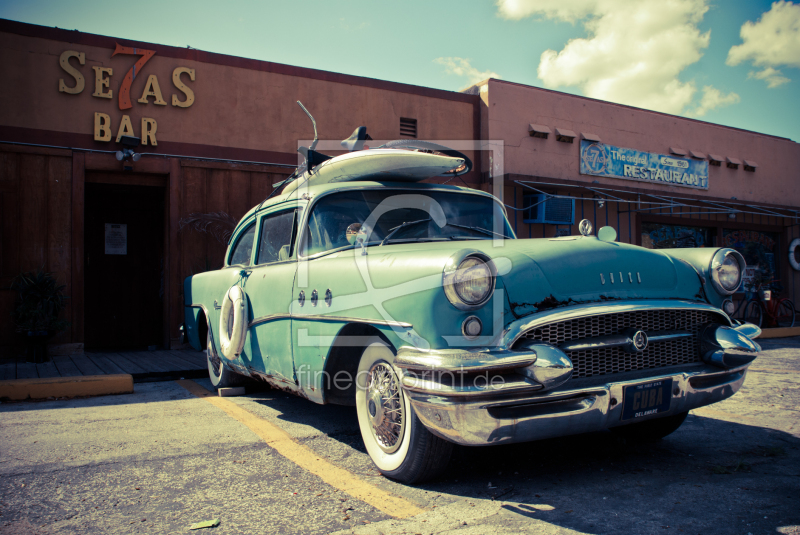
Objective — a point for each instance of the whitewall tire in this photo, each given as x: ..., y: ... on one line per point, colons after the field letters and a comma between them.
x: 220, y: 376
x: 397, y: 442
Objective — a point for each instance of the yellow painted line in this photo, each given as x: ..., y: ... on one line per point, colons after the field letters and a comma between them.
x: 780, y: 332
x: 60, y: 387
x: 305, y: 458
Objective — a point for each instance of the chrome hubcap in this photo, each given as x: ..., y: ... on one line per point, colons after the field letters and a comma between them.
x: 385, y: 407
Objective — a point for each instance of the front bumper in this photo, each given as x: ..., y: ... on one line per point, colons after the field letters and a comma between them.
x: 492, y: 395
x: 578, y: 409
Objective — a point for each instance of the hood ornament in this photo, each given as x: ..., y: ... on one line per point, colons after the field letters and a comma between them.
x: 585, y: 227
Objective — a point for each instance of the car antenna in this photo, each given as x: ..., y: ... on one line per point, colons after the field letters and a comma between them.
x: 305, y: 153
x: 314, y: 124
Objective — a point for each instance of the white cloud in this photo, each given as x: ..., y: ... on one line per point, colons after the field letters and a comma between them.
x: 566, y: 10
x: 633, y: 52
x: 772, y: 76
x: 461, y: 67
x: 771, y: 41
x: 713, y: 98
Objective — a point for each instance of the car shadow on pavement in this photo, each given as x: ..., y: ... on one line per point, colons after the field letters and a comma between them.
x: 710, y: 476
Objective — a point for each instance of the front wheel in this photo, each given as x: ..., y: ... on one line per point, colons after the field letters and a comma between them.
x: 400, y: 446
x: 785, y: 314
x: 221, y: 377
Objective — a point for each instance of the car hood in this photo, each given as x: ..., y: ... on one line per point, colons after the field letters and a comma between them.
x: 539, y: 274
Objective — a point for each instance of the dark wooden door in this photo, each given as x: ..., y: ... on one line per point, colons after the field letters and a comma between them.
x: 124, y: 266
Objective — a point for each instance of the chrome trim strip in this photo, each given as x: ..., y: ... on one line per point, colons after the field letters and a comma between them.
x: 461, y: 360
x: 660, y: 336
x: 470, y: 389
x: 270, y: 317
x: 516, y: 329
x: 621, y: 339
x: 265, y: 319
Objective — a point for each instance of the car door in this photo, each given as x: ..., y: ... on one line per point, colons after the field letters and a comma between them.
x: 217, y: 283
x: 269, y: 288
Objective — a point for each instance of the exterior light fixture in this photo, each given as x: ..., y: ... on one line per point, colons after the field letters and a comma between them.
x: 128, y: 144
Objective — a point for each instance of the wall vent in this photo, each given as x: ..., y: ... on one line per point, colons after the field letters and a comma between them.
x: 552, y: 210
x: 408, y: 127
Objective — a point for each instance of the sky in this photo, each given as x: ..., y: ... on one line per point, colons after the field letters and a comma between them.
x: 732, y: 62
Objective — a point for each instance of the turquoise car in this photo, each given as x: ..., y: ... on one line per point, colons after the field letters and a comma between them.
x: 416, y: 303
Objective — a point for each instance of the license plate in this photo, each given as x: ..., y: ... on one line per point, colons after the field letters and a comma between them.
x: 646, y: 399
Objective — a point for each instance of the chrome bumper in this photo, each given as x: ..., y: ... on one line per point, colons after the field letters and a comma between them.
x: 563, y: 412
x: 490, y: 395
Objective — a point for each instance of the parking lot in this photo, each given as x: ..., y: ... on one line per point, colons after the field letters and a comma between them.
x: 172, y: 454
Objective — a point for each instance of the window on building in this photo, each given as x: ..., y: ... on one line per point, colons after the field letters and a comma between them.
x: 664, y: 236
x: 758, y: 249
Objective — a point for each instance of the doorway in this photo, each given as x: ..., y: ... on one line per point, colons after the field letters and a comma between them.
x: 124, y: 265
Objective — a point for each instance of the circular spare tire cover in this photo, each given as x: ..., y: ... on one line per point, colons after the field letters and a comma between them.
x: 233, y: 322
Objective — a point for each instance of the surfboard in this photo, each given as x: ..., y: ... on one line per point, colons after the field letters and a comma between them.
x: 378, y: 165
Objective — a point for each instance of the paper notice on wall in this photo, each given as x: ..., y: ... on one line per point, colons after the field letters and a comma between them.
x: 116, y: 239
x: 748, y: 280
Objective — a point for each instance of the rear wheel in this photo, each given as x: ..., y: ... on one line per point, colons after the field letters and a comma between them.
x: 784, y: 313
x: 221, y: 377
x: 753, y: 313
x: 650, y: 430
x: 400, y: 446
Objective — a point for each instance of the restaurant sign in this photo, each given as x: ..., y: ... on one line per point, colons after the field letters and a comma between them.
x: 599, y: 159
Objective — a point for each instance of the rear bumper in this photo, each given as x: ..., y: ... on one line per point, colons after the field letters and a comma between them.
x: 566, y: 411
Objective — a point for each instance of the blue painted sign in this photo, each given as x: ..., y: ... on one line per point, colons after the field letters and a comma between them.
x: 600, y: 159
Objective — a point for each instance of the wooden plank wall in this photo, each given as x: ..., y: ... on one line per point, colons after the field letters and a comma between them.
x: 207, y: 189
x: 35, y: 196
x: 627, y: 223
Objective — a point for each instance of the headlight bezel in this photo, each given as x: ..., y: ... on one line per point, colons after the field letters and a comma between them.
x: 717, y: 261
x: 449, y: 275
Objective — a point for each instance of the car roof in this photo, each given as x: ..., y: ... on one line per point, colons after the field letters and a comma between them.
x: 305, y: 193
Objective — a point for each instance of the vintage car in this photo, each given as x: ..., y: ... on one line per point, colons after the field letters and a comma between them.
x: 416, y: 303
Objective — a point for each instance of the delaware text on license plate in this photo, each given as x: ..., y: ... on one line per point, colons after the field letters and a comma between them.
x: 646, y: 399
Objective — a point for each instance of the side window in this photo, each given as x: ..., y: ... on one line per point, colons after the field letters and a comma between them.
x: 243, y: 250
x: 276, y: 237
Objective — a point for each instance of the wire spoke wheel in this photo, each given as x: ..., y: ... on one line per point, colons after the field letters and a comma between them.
x: 385, y: 407
x: 784, y: 313
x: 753, y: 313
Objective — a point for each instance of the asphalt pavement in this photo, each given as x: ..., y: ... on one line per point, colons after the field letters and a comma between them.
x: 164, y: 457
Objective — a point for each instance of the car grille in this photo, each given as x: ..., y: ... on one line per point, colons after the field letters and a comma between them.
x: 603, y: 361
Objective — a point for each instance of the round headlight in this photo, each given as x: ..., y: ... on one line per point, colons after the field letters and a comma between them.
x: 473, y: 281
x: 470, y: 284
x: 726, y: 270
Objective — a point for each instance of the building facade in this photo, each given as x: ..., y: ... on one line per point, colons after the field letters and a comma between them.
x: 216, y: 132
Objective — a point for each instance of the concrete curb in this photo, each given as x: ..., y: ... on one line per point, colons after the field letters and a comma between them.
x: 780, y: 332
x: 82, y: 385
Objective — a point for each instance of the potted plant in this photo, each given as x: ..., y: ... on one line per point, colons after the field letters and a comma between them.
x: 36, y: 315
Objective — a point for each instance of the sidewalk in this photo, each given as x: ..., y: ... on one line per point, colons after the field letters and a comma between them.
x: 144, y: 366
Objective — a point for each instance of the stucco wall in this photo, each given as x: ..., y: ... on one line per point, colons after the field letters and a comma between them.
x: 237, y: 107
x: 510, y: 108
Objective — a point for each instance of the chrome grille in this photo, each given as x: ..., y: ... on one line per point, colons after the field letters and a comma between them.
x: 603, y: 361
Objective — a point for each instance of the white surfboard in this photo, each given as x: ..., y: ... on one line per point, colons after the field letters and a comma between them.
x: 378, y: 165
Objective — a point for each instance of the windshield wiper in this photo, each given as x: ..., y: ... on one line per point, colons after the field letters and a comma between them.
x: 398, y: 227
x: 479, y: 229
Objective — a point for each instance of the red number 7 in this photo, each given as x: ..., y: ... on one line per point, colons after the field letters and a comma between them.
x: 125, y: 88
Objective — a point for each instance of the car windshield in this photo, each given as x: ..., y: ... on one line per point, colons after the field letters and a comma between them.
x: 391, y: 216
